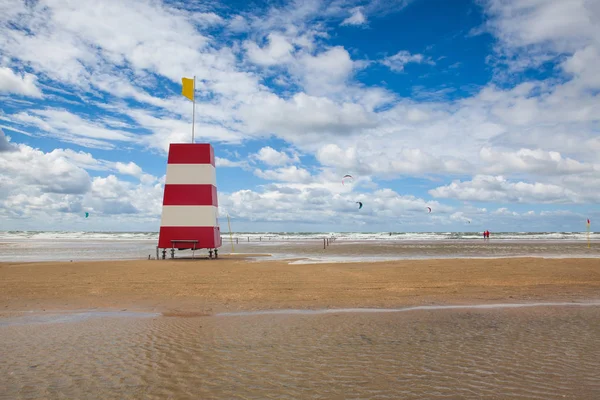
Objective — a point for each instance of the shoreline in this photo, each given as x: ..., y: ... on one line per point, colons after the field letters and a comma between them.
x: 184, y: 286
x: 303, y: 252
x: 37, y: 317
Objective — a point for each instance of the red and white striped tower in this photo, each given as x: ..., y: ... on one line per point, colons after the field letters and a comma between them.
x: 190, y: 207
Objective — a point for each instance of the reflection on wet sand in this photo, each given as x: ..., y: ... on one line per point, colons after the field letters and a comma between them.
x: 401, y: 249
x: 534, y: 352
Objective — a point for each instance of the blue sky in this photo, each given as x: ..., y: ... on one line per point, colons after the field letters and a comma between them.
x: 486, y: 111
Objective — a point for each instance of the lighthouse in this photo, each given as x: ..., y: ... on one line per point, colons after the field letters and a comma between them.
x: 190, y: 208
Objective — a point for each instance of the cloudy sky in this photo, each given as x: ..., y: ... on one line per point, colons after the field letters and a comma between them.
x: 486, y: 111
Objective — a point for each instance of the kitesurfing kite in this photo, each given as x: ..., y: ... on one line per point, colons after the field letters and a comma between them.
x: 347, y: 177
x: 87, y: 214
x: 359, y: 204
x: 429, y: 209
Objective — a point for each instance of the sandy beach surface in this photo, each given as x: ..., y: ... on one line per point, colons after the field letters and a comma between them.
x: 262, y: 328
x: 185, y: 286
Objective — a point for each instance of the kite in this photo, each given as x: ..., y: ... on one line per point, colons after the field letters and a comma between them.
x: 429, y: 209
x: 359, y: 204
x: 347, y: 176
x: 87, y: 214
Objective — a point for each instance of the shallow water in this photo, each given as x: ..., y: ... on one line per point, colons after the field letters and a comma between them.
x: 346, y: 251
x: 308, y: 251
x: 535, y: 352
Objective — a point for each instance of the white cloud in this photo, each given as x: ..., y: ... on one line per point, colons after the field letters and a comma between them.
x: 5, y: 144
x: 397, y: 62
x: 581, y: 66
x: 69, y: 127
x: 207, y: 19
x: 285, y: 174
x: 129, y: 169
x: 307, y: 204
x: 544, y: 129
x: 357, y: 17
x: 28, y: 204
x: 272, y: 157
x: 168, y: 130
x: 325, y: 73
x: 304, y: 118
x: 560, y: 25
x: 279, y: 50
x: 49, y: 172
x: 110, y: 196
x: 51, y: 190
x: 25, y: 84
x: 533, y: 161
x: 460, y: 216
x: 505, y: 212
x: 393, y: 161
x: 499, y: 189
x: 77, y: 25
x: 134, y: 170
x: 532, y: 32
x: 224, y: 162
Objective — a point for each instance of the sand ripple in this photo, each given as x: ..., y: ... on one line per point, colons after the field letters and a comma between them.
x: 534, y: 353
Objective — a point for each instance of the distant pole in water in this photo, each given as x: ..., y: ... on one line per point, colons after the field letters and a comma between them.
x: 230, y: 236
x: 588, y: 232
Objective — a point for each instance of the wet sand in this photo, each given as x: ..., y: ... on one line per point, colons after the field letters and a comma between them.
x: 310, y: 250
x: 235, y: 284
x: 63, y: 333
x: 532, y: 353
x: 364, y: 250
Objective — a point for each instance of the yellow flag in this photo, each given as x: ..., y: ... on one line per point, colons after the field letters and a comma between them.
x: 187, y: 88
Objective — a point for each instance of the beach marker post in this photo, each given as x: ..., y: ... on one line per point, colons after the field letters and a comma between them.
x: 230, y: 236
x: 588, y: 232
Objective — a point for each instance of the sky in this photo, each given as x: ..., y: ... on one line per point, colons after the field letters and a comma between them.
x: 487, y: 111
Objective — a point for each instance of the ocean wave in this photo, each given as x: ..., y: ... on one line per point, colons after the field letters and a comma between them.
x: 302, y: 236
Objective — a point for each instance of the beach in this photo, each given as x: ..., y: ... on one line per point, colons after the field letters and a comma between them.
x: 234, y: 283
x: 259, y: 326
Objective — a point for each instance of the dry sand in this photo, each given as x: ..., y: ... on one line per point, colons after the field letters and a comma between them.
x: 203, y: 287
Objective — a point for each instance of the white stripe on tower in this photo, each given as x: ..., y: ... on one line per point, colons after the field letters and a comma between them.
x: 191, y: 174
x: 189, y: 216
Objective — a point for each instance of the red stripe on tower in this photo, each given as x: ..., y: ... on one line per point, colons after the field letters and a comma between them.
x: 190, y: 206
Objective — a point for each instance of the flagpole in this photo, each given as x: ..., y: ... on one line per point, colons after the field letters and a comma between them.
x: 588, y: 234
x: 230, y: 235
x: 194, y: 109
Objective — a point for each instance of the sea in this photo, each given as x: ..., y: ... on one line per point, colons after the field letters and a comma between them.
x: 303, y: 247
